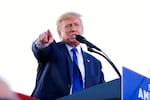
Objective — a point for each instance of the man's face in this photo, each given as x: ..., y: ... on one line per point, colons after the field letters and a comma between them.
x: 70, y: 28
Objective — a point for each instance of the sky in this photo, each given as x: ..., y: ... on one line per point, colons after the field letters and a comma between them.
x: 120, y: 28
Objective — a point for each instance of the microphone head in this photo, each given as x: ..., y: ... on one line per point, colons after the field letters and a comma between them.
x: 80, y: 38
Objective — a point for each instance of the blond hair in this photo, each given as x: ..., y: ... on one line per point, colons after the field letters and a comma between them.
x: 65, y: 16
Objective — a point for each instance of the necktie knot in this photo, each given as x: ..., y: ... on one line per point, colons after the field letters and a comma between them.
x: 74, y: 50
x: 75, y: 59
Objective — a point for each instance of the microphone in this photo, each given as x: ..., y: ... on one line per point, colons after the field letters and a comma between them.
x: 90, y: 46
x: 81, y: 39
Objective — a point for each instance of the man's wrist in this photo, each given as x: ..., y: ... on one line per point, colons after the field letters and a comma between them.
x: 41, y: 45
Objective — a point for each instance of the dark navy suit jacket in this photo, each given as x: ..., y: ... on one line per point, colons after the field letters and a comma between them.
x: 55, y: 69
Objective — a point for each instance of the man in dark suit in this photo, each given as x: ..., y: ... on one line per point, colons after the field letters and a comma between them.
x: 55, y: 63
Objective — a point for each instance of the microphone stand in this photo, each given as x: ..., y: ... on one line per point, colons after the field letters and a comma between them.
x: 106, y: 57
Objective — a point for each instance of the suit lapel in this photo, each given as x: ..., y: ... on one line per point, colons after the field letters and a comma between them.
x: 87, y: 68
x: 70, y: 63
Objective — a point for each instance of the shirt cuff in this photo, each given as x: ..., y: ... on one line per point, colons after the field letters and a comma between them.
x: 39, y: 45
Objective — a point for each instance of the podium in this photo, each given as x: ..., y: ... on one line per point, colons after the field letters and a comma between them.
x: 106, y: 91
x: 132, y: 86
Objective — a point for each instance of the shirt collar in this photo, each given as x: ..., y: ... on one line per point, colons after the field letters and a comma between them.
x: 78, y: 48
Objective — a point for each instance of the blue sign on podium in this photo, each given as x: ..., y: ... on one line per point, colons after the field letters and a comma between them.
x: 135, y: 86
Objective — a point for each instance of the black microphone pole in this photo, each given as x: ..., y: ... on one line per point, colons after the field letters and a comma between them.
x: 90, y: 47
x: 106, y: 57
